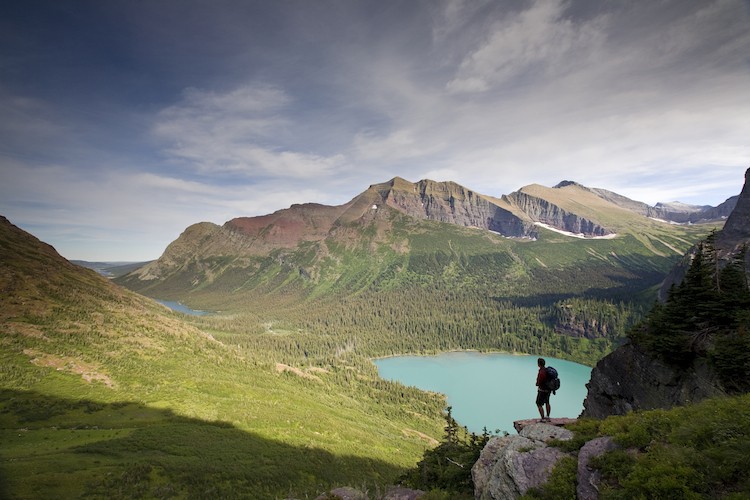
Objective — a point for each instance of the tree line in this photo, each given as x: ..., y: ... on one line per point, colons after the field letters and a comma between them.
x: 706, y: 316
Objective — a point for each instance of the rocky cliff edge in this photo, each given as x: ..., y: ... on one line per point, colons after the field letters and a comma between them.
x: 510, y: 466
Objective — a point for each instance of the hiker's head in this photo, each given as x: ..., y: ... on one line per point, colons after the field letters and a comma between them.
x: 540, y: 362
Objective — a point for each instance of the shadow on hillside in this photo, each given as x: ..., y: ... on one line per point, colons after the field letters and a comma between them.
x: 62, y: 448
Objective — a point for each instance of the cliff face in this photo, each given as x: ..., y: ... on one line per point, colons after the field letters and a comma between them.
x: 733, y: 236
x: 454, y: 204
x: 551, y: 214
x: 629, y: 379
x: 736, y: 231
x: 632, y: 379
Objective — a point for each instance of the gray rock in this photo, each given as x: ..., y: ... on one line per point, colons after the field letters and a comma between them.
x: 548, y: 213
x: 532, y: 469
x: 629, y: 379
x: 452, y: 203
x: 344, y: 493
x: 543, y: 432
x: 509, y: 466
x: 399, y: 493
x: 588, y: 479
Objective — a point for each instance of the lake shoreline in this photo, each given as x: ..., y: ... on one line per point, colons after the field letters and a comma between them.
x: 439, y: 353
x: 488, y: 389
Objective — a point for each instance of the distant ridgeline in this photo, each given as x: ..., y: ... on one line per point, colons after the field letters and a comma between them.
x: 433, y: 266
x: 694, y: 345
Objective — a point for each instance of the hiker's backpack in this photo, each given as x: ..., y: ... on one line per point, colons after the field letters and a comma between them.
x: 552, y: 380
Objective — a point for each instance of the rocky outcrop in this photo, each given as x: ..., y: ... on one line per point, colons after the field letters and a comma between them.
x: 733, y: 236
x: 541, y: 210
x: 452, y: 203
x: 511, y: 465
x: 630, y: 379
x: 588, y: 478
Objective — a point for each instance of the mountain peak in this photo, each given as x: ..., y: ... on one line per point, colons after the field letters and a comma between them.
x: 563, y: 184
x: 736, y: 231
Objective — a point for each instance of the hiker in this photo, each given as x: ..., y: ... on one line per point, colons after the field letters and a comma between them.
x: 542, y: 394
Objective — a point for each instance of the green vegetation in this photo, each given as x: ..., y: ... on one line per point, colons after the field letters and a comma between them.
x: 426, y: 287
x: 77, y: 448
x: 106, y: 393
x: 706, y: 316
x: 697, y: 451
x: 561, y: 484
x: 446, y: 469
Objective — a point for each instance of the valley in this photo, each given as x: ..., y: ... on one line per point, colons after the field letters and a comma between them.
x: 93, y: 376
x: 276, y: 389
x: 393, y: 281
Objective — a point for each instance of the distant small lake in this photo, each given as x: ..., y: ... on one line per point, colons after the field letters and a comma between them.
x: 489, y: 390
x: 176, y: 306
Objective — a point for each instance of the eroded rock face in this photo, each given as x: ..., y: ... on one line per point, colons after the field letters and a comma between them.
x: 629, y: 379
x: 736, y: 231
x: 548, y: 213
x: 451, y: 203
x: 511, y: 465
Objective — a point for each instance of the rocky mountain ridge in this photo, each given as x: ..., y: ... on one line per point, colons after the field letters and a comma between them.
x: 568, y: 207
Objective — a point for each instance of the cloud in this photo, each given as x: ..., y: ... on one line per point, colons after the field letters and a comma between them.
x: 245, y: 131
x: 649, y: 99
x: 539, y: 39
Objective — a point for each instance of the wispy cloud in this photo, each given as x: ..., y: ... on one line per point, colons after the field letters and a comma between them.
x: 540, y: 40
x: 242, y: 131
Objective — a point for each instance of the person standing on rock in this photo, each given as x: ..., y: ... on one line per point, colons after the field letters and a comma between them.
x: 542, y: 394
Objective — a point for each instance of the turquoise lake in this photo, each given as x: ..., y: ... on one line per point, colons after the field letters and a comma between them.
x: 176, y: 306
x: 489, y: 390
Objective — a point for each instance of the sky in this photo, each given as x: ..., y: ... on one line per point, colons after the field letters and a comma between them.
x: 122, y: 122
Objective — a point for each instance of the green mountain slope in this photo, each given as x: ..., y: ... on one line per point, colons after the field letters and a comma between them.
x: 375, y: 267
x: 107, y: 393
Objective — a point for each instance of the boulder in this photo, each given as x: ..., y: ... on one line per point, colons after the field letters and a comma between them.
x: 629, y: 379
x: 519, y: 425
x: 343, y: 493
x: 399, y: 493
x: 588, y: 479
x: 511, y: 465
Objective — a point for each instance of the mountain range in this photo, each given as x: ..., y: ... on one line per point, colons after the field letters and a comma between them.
x: 398, y: 232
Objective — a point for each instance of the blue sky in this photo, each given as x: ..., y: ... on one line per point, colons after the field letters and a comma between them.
x: 123, y: 122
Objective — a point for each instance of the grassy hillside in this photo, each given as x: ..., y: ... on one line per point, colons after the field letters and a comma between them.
x: 697, y: 451
x: 107, y: 393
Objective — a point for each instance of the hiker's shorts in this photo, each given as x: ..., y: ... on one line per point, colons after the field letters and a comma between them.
x: 542, y: 398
